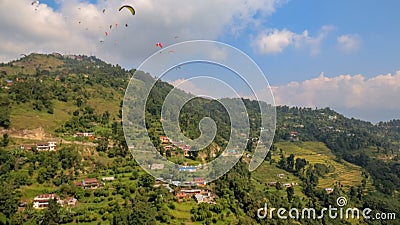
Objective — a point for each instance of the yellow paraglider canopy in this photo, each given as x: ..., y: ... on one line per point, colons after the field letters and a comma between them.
x: 128, y: 7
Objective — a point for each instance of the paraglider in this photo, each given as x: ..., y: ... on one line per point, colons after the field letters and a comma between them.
x: 36, y: 4
x: 104, y: 10
x: 110, y: 26
x: 106, y: 33
x: 159, y: 44
x: 126, y: 25
x: 130, y: 8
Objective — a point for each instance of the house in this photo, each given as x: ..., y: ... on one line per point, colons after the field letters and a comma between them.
x: 200, y: 198
x: 9, y: 83
x: 78, y: 183
x: 272, y: 183
x: 84, y: 134
x: 168, y: 147
x: 90, y: 183
x: 185, y: 147
x: 165, y: 140
x: 281, y: 175
x: 107, y: 178
x: 188, y: 193
x: 329, y: 190
x: 287, y: 185
x: 187, y: 169
x: 199, y: 181
x: 27, y: 147
x: 232, y: 151
x: 46, y: 146
x: 52, y: 145
x: 70, y: 202
x: 176, y: 183
x: 180, y: 194
x: 42, y: 201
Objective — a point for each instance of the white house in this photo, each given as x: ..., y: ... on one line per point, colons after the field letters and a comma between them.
x: 42, y: 201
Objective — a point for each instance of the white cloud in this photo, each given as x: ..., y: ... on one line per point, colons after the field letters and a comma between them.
x: 78, y: 27
x: 372, y: 99
x: 349, y: 42
x: 273, y: 41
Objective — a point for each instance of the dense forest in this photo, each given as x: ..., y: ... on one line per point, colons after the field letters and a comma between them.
x: 67, y: 95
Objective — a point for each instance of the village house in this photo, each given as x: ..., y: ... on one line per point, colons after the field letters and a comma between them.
x: 42, y: 146
x: 188, y: 193
x: 165, y: 140
x: 71, y: 202
x: 204, y: 198
x: 9, y: 83
x: 187, y: 169
x: 287, y: 185
x: 199, y: 181
x: 329, y: 190
x: 168, y: 147
x: 42, y: 201
x: 107, y: 178
x: 28, y: 147
x: 281, y: 175
x: 91, y: 183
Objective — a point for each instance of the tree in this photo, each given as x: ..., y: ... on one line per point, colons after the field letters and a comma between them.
x: 146, y: 180
x: 8, y: 199
x: 290, y: 193
x: 52, y: 214
x: 283, y: 162
x: 300, y: 164
x: 6, y: 140
x: 4, y: 111
x: 290, y: 163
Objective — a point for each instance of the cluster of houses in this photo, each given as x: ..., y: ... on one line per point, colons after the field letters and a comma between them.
x: 42, y: 201
x: 200, y: 195
x: 286, y: 185
x: 198, y: 192
x: 169, y: 144
x: 40, y: 146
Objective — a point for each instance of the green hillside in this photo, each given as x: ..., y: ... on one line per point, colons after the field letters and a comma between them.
x: 58, y: 98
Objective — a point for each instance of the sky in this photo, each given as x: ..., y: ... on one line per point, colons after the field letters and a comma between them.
x: 339, y: 54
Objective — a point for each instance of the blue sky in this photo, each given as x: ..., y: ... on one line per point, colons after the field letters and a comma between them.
x: 373, y: 21
x: 354, y: 44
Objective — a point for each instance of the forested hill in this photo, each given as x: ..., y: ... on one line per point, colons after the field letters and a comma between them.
x: 69, y: 93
